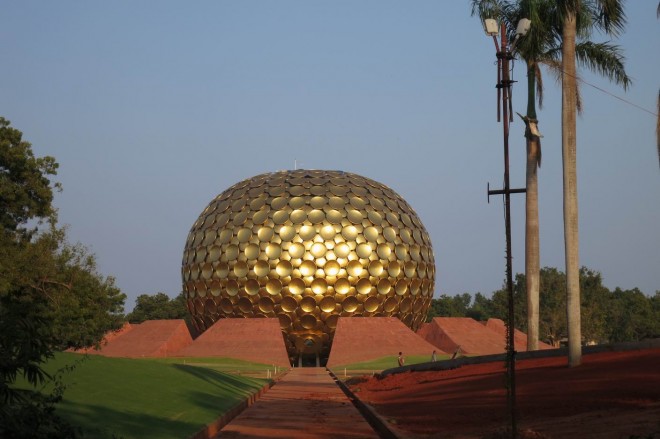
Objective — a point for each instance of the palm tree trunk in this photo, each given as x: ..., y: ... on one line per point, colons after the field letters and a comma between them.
x: 569, y: 161
x: 532, y: 252
x: 532, y: 264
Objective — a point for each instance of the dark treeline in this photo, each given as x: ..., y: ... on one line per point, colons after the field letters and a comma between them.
x: 607, y: 316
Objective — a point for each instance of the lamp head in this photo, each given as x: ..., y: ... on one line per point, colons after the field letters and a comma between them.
x: 523, y: 27
x: 491, y: 27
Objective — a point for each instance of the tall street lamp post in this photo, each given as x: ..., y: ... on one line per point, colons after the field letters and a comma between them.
x: 504, y: 108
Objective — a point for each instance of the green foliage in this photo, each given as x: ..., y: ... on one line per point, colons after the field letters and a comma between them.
x: 633, y: 316
x: 447, y: 306
x: 33, y: 414
x: 607, y: 316
x: 51, y: 296
x: 158, y: 306
x: 25, y: 190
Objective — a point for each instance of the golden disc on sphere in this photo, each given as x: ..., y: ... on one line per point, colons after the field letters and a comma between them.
x: 384, y: 286
x: 327, y: 304
x: 318, y: 202
x: 334, y: 216
x: 318, y: 250
x: 363, y: 251
x: 363, y: 286
x: 371, y: 233
x: 350, y: 304
x: 296, y: 250
x: 375, y: 268
x: 297, y: 202
x: 261, y: 268
x: 298, y: 216
x: 349, y: 232
x: 342, y: 250
x: 252, y: 287
x: 266, y: 304
x: 307, y: 232
x: 287, y: 233
x: 296, y: 286
x: 355, y: 268
x: 308, y: 321
x: 308, y: 268
x: 265, y: 234
x: 316, y: 216
x: 274, y: 287
x: 319, y: 286
x: 283, y: 268
x: 251, y: 251
x: 288, y: 304
x: 273, y: 251
x: 331, y: 268
x: 371, y: 304
x: 308, y: 304
x: 390, y: 304
x: 260, y: 217
x: 342, y: 286
x: 241, y: 269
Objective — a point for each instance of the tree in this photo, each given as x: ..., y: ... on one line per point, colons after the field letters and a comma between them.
x: 25, y: 189
x: 579, y: 19
x: 542, y: 46
x: 633, y: 316
x: 595, y: 304
x: 51, y: 296
x: 158, y: 306
x: 481, y: 309
x: 552, y: 310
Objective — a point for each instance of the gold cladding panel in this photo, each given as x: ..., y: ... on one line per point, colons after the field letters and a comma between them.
x: 307, y: 247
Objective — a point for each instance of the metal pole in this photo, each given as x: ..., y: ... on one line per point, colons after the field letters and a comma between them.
x: 504, y: 90
x: 510, y: 347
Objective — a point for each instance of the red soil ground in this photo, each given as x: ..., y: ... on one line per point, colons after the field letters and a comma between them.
x: 611, y: 395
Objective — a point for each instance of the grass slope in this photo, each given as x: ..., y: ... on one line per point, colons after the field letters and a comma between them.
x: 145, y: 398
x: 388, y: 362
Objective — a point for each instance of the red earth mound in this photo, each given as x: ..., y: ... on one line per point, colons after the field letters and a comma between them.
x: 258, y: 340
x: 153, y: 338
x: 611, y: 395
x: 367, y: 338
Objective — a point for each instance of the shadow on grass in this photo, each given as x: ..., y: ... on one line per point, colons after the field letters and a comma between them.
x: 223, y: 381
x: 133, y: 419
x: 106, y: 423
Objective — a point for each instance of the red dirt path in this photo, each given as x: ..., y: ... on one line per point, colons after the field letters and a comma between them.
x: 611, y: 395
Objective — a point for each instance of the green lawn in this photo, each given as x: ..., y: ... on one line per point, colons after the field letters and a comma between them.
x: 149, y: 398
x: 229, y: 365
x: 383, y: 363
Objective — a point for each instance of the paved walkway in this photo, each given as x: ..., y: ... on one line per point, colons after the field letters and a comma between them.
x: 305, y: 403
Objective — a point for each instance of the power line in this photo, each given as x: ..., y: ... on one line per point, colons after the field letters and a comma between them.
x: 613, y: 95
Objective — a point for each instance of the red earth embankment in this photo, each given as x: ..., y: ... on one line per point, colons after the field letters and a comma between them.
x: 611, y: 395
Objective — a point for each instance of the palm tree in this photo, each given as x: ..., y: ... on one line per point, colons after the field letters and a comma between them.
x: 579, y: 18
x: 542, y: 46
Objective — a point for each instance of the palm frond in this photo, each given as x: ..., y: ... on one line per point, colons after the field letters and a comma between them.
x: 578, y: 95
x: 539, y: 84
x: 486, y: 9
x: 609, y: 16
x: 605, y: 59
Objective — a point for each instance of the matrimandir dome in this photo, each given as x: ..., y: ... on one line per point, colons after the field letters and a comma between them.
x: 307, y: 247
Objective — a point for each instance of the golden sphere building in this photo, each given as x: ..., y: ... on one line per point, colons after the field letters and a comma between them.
x: 307, y: 247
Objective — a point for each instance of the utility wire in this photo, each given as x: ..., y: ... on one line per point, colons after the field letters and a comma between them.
x: 613, y: 95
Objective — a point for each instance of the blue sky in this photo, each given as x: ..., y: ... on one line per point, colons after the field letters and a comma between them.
x: 153, y: 108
